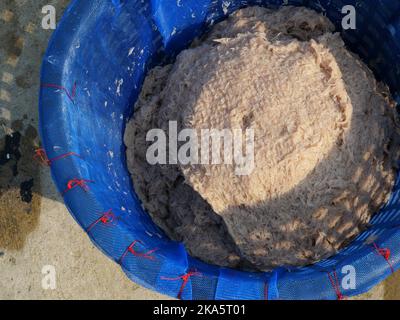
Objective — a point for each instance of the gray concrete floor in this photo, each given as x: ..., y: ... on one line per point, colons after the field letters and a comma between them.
x: 35, y: 228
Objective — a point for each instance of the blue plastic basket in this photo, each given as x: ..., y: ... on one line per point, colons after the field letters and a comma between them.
x: 92, y: 74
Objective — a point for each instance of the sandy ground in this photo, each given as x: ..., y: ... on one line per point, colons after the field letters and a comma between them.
x: 36, y: 230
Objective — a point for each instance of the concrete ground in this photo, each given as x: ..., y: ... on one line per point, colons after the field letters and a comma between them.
x: 36, y: 230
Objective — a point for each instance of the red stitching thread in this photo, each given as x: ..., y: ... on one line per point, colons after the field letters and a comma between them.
x: 266, y: 290
x: 336, y: 285
x: 82, y: 183
x: 185, y: 278
x: 385, y: 253
x: 41, y: 157
x: 71, y: 96
x: 130, y: 249
x: 65, y: 155
x: 107, y: 219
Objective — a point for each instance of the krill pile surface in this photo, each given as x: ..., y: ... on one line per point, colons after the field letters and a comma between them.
x: 324, y: 141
